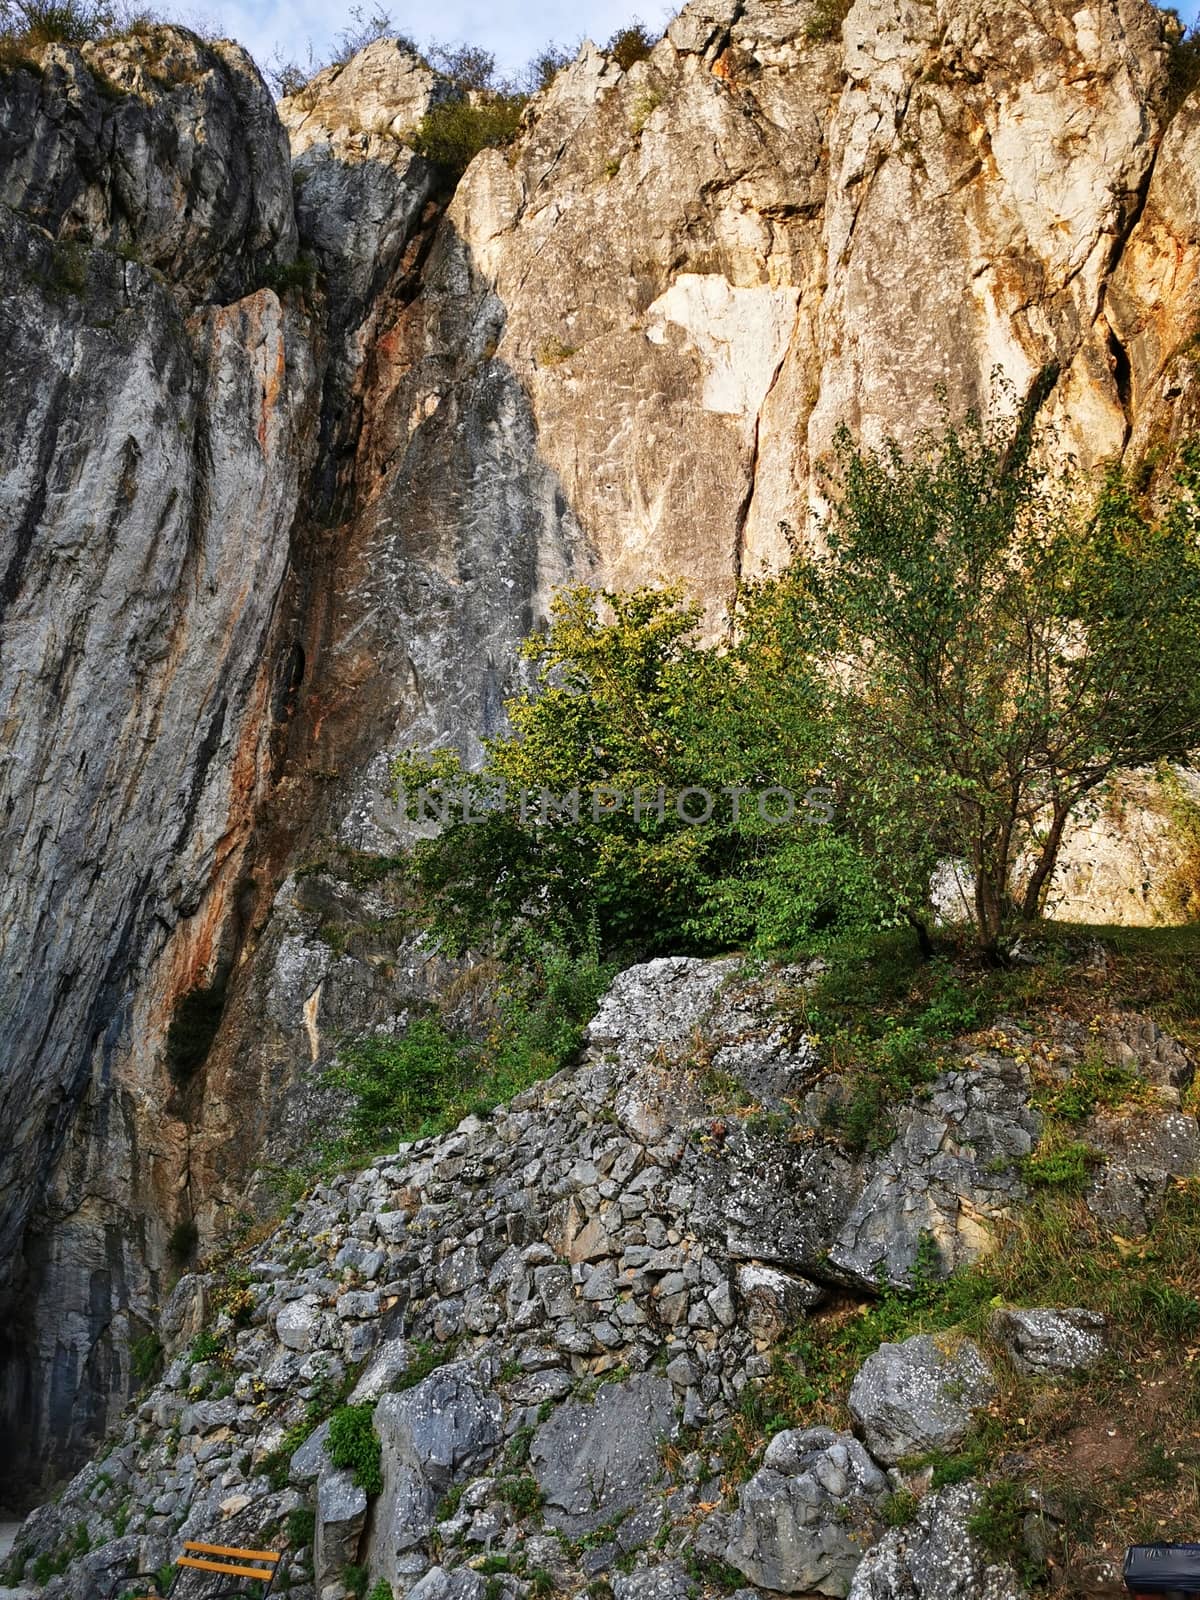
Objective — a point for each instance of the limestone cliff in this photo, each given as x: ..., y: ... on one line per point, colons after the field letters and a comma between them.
x: 291, y: 460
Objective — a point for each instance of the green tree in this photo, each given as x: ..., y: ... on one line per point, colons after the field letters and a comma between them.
x: 628, y: 702
x: 991, y: 651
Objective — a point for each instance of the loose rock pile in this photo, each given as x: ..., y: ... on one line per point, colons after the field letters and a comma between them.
x: 556, y: 1309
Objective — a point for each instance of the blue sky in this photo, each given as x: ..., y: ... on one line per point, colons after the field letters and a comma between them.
x: 512, y: 29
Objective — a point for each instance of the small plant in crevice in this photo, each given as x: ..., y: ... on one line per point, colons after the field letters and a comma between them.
x: 999, y: 1525
x: 146, y: 1357
x: 631, y: 44
x: 301, y: 1527
x: 356, y: 1578
x: 824, y: 19
x: 355, y: 1446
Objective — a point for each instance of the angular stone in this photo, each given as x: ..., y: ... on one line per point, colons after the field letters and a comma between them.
x: 341, y: 1518
x: 913, y: 1398
x: 391, y: 1361
x: 934, y: 1557
x: 445, y: 1427
x: 295, y: 1326
x: 804, y: 1519
x: 1050, y: 1341
x: 772, y: 1302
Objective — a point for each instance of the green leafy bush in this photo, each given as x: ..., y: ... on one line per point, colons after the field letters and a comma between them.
x: 968, y: 654
x: 631, y: 44
x: 453, y: 133
x: 427, y: 1079
x: 206, y: 1346
x: 355, y: 1446
x: 1068, y: 1168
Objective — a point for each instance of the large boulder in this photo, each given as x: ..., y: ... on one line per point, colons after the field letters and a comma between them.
x: 446, y: 1427
x: 805, y: 1518
x: 913, y: 1398
x: 341, y: 1517
x: 935, y: 1557
x: 1047, y: 1342
x: 1141, y: 1155
x: 594, y: 1462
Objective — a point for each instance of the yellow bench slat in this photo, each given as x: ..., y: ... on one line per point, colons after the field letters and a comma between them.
x: 230, y: 1550
x: 261, y: 1573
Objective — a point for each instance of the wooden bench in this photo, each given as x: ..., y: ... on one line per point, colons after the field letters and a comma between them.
x: 258, y: 1566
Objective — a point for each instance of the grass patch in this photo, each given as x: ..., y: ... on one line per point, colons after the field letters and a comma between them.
x: 427, y: 1080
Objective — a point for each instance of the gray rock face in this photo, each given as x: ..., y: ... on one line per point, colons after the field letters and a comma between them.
x: 594, y: 1462
x: 447, y: 1425
x: 1045, y: 1342
x: 341, y: 1518
x: 951, y: 1168
x: 805, y: 1518
x: 934, y: 1557
x: 912, y: 1398
x: 557, y: 1251
x: 137, y: 683
x: 159, y: 146
x: 390, y: 1362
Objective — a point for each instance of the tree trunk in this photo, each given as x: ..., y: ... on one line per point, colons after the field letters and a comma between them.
x: 1031, y: 905
x: 924, y: 941
x: 989, y: 911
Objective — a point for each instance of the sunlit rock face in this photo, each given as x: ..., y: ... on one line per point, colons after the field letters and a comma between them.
x: 296, y: 447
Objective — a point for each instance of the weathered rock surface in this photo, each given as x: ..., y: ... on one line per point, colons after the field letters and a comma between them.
x: 442, y: 1429
x: 934, y: 1557
x: 151, y: 455
x: 1046, y: 1342
x: 594, y: 1462
x: 914, y: 1398
x: 805, y: 1518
